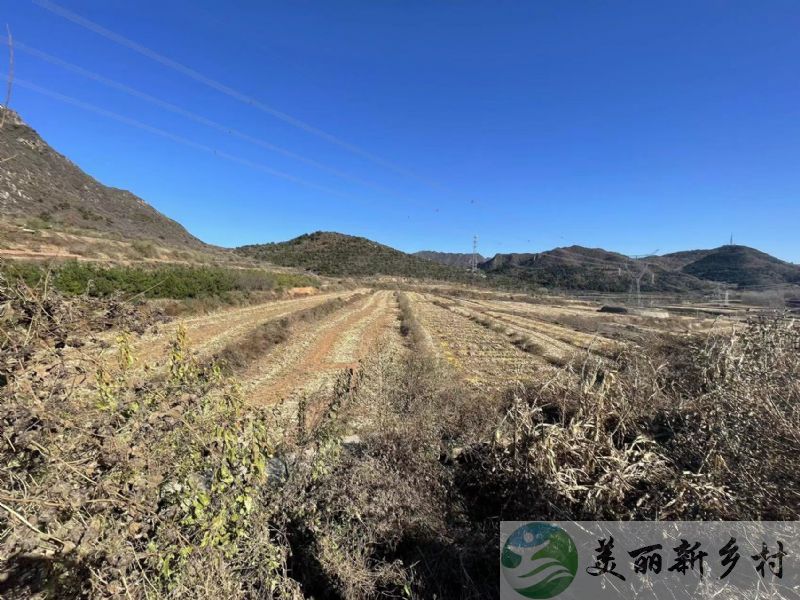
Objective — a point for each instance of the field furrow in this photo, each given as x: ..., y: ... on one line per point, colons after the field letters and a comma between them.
x: 486, y: 359
x: 317, y: 352
x: 205, y: 335
x: 567, y: 339
x: 208, y: 333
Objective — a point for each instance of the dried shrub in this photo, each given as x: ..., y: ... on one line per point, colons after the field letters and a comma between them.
x: 124, y: 486
x: 395, y: 484
x: 700, y: 430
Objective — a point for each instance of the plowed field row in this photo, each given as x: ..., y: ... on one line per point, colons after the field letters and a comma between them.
x: 209, y: 333
x: 306, y: 363
x: 317, y: 352
x: 564, y: 339
x: 485, y: 358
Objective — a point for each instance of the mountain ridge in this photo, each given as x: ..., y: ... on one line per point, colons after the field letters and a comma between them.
x: 451, y: 259
x: 37, y: 181
x: 581, y: 268
x: 742, y: 266
x: 337, y: 254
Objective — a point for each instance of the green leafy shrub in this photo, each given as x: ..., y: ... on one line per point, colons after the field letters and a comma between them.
x: 177, y: 282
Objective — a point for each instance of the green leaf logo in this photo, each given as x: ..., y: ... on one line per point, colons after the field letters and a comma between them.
x: 539, y: 560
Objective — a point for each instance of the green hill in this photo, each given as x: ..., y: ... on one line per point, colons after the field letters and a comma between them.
x: 579, y: 268
x: 742, y: 266
x: 336, y: 254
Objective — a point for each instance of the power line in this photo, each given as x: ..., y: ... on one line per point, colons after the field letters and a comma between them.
x: 229, y: 91
x: 197, y: 118
x: 244, y: 98
x: 178, y: 139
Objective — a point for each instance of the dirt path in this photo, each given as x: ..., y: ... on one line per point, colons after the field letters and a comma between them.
x: 317, y: 352
x: 20, y: 254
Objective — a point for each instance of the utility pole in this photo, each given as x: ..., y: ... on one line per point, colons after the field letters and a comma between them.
x: 474, y: 262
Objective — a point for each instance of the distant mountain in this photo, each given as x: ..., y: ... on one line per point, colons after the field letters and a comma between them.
x: 577, y: 267
x: 451, y: 259
x: 580, y: 268
x: 573, y: 267
x: 738, y: 265
x: 336, y: 254
x: 677, y: 260
x: 38, y: 182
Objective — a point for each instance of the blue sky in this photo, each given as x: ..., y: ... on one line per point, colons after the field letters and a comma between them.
x: 632, y: 126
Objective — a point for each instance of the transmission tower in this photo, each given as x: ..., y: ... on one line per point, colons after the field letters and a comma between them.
x: 474, y: 261
x: 637, y: 274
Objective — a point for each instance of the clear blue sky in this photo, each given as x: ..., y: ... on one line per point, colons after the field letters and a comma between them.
x: 632, y: 126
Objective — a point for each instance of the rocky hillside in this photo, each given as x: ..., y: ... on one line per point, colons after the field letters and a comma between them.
x: 36, y: 182
x: 582, y: 268
x: 451, y: 259
x: 336, y: 254
x: 577, y: 267
x: 737, y: 265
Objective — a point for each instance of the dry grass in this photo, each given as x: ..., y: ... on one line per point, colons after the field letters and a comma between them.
x: 524, y: 342
x: 122, y: 486
x: 674, y: 433
x: 178, y: 489
x: 241, y: 353
x: 410, y: 327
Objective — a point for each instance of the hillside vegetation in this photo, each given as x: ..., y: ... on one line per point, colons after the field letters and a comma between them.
x: 742, y: 266
x: 41, y: 186
x: 335, y: 254
x: 462, y: 260
x: 582, y: 268
x: 176, y: 282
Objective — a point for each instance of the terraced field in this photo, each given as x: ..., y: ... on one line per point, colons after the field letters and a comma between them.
x: 317, y: 352
x: 491, y: 343
x: 546, y: 329
x: 572, y: 311
x: 485, y: 358
x: 205, y: 334
x: 582, y: 325
x: 494, y: 342
x: 209, y: 333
